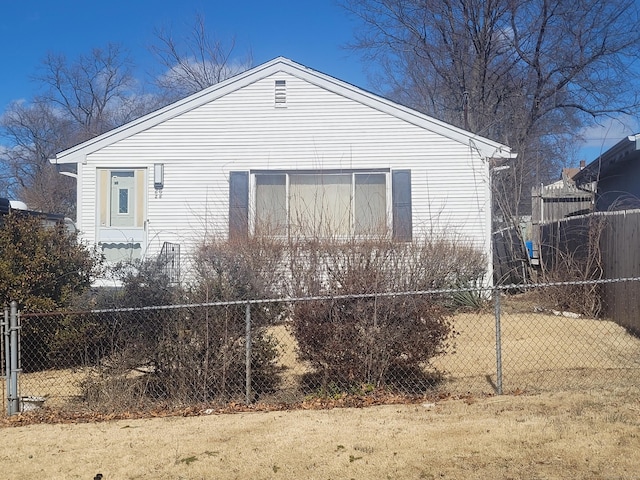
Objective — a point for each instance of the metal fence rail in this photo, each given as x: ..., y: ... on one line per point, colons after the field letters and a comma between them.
x: 285, y: 350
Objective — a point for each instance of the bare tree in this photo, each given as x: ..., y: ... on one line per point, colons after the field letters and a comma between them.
x: 80, y: 99
x: 91, y: 90
x: 84, y: 97
x: 197, y: 62
x: 528, y: 73
x: 35, y: 133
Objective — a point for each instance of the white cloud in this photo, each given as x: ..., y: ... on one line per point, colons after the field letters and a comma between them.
x: 191, y: 75
x: 608, y: 132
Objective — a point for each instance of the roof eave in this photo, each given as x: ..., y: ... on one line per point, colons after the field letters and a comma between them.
x: 486, y: 148
x: 621, y: 151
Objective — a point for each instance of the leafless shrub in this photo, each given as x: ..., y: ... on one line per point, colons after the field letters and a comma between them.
x: 196, y: 354
x: 573, y: 253
x: 239, y: 270
x: 319, y: 266
x: 108, y: 392
x: 203, y: 353
x: 375, y: 339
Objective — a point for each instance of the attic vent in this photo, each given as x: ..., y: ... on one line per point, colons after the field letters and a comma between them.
x: 281, y: 93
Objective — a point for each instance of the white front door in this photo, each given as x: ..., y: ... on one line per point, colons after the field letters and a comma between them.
x: 121, y: 211
x: 123, y: 199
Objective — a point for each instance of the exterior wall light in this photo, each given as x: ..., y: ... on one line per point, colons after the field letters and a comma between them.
x: 158, y: 176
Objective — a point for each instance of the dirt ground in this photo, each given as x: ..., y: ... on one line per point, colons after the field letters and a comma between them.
x: 588, y: 435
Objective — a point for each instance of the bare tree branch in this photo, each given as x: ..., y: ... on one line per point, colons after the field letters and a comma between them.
x: 528, y: 73
x: 196, y: 63
x: 89, y: 89
x: 82, y: 98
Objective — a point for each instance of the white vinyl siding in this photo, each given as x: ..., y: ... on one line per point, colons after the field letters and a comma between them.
x: 319, y: 130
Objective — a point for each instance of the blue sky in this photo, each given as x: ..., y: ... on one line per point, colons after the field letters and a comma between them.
x: 311, y: 32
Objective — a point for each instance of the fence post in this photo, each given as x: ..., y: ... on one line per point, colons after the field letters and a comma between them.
x: 248, y: 353
x: 6, y: 358
x: 13, y: 399
x: 497, y: 310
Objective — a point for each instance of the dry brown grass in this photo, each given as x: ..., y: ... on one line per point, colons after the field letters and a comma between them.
x: 587, y: 435
x: 573, y: 411
x: 540, y: 352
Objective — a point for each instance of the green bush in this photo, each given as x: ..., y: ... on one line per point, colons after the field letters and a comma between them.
x: 42, y: 268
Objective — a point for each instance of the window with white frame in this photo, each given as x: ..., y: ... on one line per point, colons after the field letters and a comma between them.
x: 321, y: 204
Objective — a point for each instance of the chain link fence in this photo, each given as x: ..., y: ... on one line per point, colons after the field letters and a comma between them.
x: 283, y: 351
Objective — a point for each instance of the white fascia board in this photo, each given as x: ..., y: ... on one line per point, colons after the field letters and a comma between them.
x: 78, y: 153
x: 486, y: 147
x: 69, y: 174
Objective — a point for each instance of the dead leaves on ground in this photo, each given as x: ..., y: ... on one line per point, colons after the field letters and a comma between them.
x: 49, y: 415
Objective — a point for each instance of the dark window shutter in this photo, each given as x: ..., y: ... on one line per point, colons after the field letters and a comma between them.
x: 238, y: 205
x: 401, y: 205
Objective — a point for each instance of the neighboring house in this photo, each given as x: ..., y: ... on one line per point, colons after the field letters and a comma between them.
x: 563, y: 198
x: 286, y: 150
x: 617, y: 176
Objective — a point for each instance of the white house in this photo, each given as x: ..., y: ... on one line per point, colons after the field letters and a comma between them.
x: 284, y: 148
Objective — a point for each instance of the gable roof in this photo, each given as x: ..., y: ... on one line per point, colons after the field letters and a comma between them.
x: 626, y: 150
x: 487, y: 148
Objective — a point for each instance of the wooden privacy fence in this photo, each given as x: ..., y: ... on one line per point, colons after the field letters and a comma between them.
x: 612, y: 241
